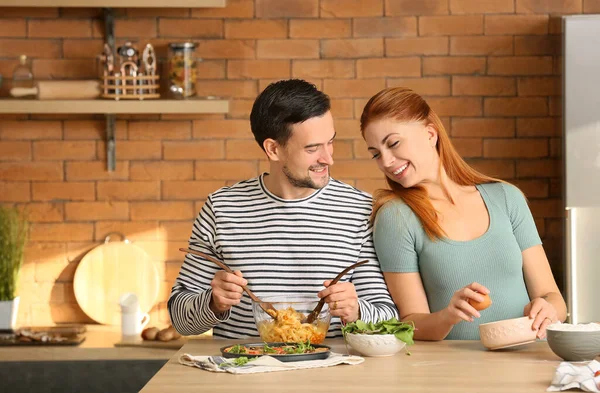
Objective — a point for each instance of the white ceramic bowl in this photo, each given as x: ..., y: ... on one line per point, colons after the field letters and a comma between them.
x: 507, y: 333
x: 375, y: 345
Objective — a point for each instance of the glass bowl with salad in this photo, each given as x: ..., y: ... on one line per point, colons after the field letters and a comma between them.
x: 384, y: 338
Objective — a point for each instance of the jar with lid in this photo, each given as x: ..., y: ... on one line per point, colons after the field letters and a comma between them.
x: 23, y: 76
x: 182, y: 70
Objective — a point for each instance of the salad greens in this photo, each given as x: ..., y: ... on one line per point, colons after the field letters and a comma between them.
x: 237, y: 362
x: 300, y: 348
x: 402, y: 330
x: 238, y: 348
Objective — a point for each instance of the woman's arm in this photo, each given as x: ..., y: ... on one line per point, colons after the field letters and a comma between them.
x: 547, y: 304
x: 410, y: 298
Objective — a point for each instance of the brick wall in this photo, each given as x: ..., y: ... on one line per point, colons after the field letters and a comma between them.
x: 490, y: 68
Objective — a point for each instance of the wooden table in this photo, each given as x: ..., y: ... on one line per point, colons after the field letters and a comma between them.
x: 449, y: 366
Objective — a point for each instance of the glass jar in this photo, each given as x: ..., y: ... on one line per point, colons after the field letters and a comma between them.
x: 182, y: 70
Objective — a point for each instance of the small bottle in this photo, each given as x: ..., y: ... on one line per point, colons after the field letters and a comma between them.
x: 23, y: 76
x: 182, y: 70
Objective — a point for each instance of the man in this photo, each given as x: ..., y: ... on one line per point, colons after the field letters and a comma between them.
x: 289, y: 231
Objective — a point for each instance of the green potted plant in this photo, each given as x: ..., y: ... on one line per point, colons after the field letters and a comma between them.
x: 13, y: 236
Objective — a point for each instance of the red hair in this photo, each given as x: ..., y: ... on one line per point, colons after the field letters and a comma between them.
x: 404, y: 105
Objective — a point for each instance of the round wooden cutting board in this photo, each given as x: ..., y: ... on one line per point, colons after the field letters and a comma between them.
x: 107, y: 272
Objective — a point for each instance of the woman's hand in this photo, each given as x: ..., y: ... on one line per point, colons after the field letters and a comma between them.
x: 543, y: 314
x: 459, y: 308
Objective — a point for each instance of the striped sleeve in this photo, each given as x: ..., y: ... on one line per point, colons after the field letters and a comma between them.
x: 190, y: 296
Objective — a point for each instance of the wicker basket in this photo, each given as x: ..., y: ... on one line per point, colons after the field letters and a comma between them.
x: 140, y: 87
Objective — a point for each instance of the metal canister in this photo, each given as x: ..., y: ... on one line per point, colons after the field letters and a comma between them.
x: 182, y: 70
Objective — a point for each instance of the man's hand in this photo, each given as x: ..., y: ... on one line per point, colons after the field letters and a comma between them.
x: 342, y: 300
x: 226, y: 290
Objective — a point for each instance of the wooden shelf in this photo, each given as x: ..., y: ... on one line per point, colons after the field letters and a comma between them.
x: 115, y: 3
x: 114, y: 107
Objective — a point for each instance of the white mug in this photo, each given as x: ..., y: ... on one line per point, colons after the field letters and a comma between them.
x: 132, y: 324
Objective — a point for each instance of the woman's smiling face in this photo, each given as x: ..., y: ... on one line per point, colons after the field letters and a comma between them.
x: 404, y: 151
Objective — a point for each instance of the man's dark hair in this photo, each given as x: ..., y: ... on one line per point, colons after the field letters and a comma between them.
x: 283, y: 104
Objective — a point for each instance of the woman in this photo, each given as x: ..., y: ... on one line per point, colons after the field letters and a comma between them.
x: 446, y: 234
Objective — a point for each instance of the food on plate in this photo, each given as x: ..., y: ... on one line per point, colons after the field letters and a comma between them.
x: 487, y: 301
x: 287, y: 327
x: 274, y: 349
x: 404, y: 331
x: 150, y: 333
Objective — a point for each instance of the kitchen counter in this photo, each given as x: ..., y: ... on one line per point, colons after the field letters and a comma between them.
x: 449, y: 366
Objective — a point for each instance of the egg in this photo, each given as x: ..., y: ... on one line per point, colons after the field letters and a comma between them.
x: 487, y: 301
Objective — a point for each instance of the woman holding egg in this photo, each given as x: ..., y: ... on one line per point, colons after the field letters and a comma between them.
x: 446, y: 235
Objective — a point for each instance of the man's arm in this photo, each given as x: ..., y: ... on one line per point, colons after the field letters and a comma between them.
x: 189, y: 303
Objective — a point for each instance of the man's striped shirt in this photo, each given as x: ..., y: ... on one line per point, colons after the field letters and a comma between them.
x: 283, y: 248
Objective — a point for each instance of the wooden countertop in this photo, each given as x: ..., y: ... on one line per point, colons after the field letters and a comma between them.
x: 449, y: 366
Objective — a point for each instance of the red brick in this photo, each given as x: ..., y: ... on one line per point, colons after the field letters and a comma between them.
x: 243, y: 150
x: 534, y: 188
x: 549, y: 6
x: 359, y: 149
x: 538, y: 45
x: 351, y: 8
x: 591, y: 6
x: 92, y: 130
x: 371, y: 185
x: 225, y: 170
x: 65, y: 191
x: 140, y: 28
x: 366, y: 88
x: 468, y: 147
x: 258, y: 69
x: 343, y: 150
x: 87, y: 12
x: 240, y: 109
x: 454, y: 65
x: 501, y: 169
x: 160, y: 130
x: 518, y: 106
x: 29, y: 12
x: 355, y: 169
x: 59, y: 28
x: 81, y: 48
x: 515, y: 148
x: 133, y: 231
x: 232, y: 89
x: 128, y: 191
x: 433, y: 86
x: 416, y: 46
x: 347, y: 129
x: 221, y: 129
x: 287, y: 9
x: 482, y: 6
x: 44, y: 171
x: 65, y: 150
x: 540, y: 224
x: 552, y: 208
x: 411, y: 7
x: 320, y: 28
x: 162, y: 211
x: 255, y: 29
x: 159, y: 12
x: 540, y: 86
x: 556, y: 188
x: 483, y: 86
x: 15, y: 191
x: 555, y: 228
x: 190, y: 28
x: 516, y: 24
x: 133, y: 150
x: 342, y: 108
x: 539, y: 168
x: 226, y: 49
x: 454, y: 106
x: 352, y: 48
x: 44, y: 212
x: 483, y: 127
x: 385, y: 27
x: 521, y: 65
x: 190, y: 190
x: 96, y: 170
x: 381, y: 68
x: 323, y: 69
x: 287, y: 49
x: 65, y: 69
x: 211, y: 69
x: 162, y: 170
x: 61, y: 232
x: 13, y: 28
x: 556, y: 147
x: 481, y: 45
x: 96, y: 211
x: 175, y: 230
x: 15, y: 151
x: 14, y: 47
x: 451, y: 25
x: 555, y: 105
x: 539, y: 127
x: 197, y: 150
x: 234, y: 9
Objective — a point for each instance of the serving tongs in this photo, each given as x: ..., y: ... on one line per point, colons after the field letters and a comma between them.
x: 268, y: 307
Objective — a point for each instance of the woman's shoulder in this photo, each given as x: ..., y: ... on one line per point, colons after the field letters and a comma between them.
x: 503, y: 190
x: 396, y: 210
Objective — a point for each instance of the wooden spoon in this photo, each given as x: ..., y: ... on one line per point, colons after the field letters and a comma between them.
x: 268, y: 307
x: 315, y: 313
